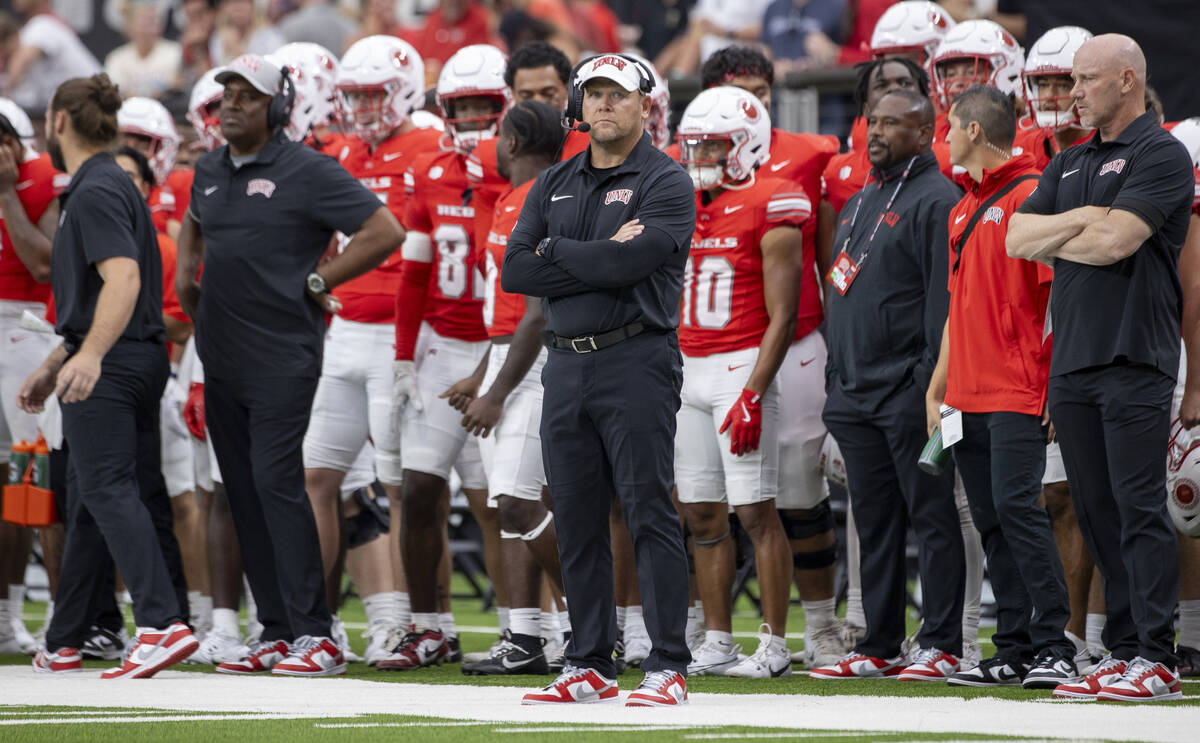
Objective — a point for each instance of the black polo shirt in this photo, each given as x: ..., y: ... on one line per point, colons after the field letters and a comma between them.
x: 1131, y: 310
x: 265, y: 226
x: 103, y: 216
x: 590, y: 283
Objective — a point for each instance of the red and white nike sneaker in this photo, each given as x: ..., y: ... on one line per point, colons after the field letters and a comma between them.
x: 64, y: 660
x: 312, y: 656
x: 1106, y: 672
x: 858, y: 666
x: 260, y: 657
x: 929, y: 664
x: 575, y: 686
x: 153, y: 650
x: 659, y: 689
x: 416, y: 650
x: 1143, y: 681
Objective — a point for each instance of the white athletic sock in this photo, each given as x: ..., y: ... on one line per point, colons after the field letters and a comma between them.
x: 818, y: 614
x: 16, y: 599
x: 549, y: 623
x: 722, y: 638
x: 403, y: 604
x: 778, y: 644
x: 525, y: 621
x: 1095, y: 632
x: 1189, y: 623
x: 1079, y: 643
x: 446, y: 622
x: 503, y: 613
x: 854, y: 608
x: 201, y: 609
x: 695, y: 622
x: 564, y: 621
x: 635, y: 623
x: 422, y: 621
x: 225, y: 621
x: 380, y: 608
x: 49, y: 613
x: 622, y: 614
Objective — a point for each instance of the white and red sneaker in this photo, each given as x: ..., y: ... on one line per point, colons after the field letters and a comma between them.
x: 64, y: 660
x: 929, y: 664
x: 312, y: 656
x: 259, y: 658
x: 153, y: 650
x: 659, y: 689
x: 1106, y: 672
x: 575, y: 686
x: 1143, y: 681
x: 858, y: 666
x: 416, y: 650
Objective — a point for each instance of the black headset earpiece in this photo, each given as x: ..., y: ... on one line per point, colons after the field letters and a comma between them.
x: 646, y: 82
x: 279, y: 112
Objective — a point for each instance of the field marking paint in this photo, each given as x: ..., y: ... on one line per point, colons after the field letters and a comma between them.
x: 596, y: 729
x: 221, y: 697
x: 156, y: 718
x: 402, y: 724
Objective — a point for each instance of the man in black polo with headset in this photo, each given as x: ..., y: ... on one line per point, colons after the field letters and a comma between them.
x: 262, y: 213
x: 1111, y: 215
x: 603, y: 239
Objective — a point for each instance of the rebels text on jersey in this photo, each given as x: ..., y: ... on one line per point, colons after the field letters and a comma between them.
x: 502, y: 310
x: 723, y: 305
x: 38, y: 183
x: 371, y: 297
x: 440, y: 211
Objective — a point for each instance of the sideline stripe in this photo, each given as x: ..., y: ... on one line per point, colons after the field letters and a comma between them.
x: 400, y: 724
x: 252, y: 717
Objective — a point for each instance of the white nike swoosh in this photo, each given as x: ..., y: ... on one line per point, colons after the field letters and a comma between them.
x: 1070, y: 172
x: 23, y: 185
x: 556, y: 197
x: 210, y: 190
x: 779, y: 166
x: 745, y: 414
x: 143, y: 653
x: 732, y: 209
x: 519, y: 664
x: 959, y: 218
x: 391, y: 156
x: 508, y: 209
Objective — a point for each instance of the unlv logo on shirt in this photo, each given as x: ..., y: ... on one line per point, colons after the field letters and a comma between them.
x: 622, y: 195
x: 260, y: 185
x: 1112, y: 166
x: 993, y: 214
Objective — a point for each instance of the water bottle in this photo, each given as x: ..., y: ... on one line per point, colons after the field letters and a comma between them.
x: 41, y: 464
x: 19, y: 462
x: 933, y: 457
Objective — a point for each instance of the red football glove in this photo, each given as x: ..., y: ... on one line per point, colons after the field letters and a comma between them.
x: 744, y: 423
x: 193, y: 410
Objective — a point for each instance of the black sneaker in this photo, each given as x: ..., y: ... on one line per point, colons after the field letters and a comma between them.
x: 1050, y: 670
x: 455, y: 650
x: 1189, y: 661
x: 104, y: 644
x: 516, y: 655
x: 991, y: 672
x: 559, y: 661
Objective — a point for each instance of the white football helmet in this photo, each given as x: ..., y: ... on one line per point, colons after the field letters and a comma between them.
x: 204, y: 110
x: 1188, y: 132
x: 833, y: 466
x: 1183, y: 480
x: 314, y: 71
x: 20, y: 121
x: 380, y: 84
x: 910, y: 28
x: 730, y: 115
x: 146, y: 117
x: 476, y: 70
x: 1052, y: 55
x: 996, y: 55
x: 659, y: 123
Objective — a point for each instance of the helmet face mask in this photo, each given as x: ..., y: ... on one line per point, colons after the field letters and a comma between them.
x: 152, y: 130
x: 380, y: 82
x: 370, y: 111
x: 473, y: 72
x: 1054, y: 112
x: 976, y: 52
x: 468, y: 131
x: 704, y: 157
x: 204, y: 109
x: 953, y: 76
x: 729, y: 116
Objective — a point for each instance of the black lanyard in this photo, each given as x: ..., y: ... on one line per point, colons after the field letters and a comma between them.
x: 887, y: 208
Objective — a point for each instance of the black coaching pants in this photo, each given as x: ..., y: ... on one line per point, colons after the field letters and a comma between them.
x: 257, y: 428
x: 608, y: 429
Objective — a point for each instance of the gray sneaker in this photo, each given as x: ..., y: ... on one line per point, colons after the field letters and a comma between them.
x: 991, y: 672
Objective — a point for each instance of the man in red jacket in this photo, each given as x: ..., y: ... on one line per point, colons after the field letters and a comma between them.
x: 993, y: 370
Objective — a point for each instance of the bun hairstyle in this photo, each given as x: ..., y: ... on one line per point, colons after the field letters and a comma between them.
x: 92, y: 104
x: 537, y: 128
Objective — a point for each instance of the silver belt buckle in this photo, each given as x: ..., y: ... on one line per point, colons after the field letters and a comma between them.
x: 589, y: 342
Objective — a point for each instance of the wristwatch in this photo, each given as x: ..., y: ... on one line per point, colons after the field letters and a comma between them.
x: 315, y: 283
x: 542, y: 246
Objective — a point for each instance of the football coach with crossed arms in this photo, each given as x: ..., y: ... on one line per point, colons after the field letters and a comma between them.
x: 262, y: 213
x: 603, y: 239
x: 1111, y: 215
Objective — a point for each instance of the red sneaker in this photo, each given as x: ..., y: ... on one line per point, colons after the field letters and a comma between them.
x: 312, y: 656
x: 659, y: 689
x: 65, y: 660
x: 929, y: 664
x: 1106, y: 672
x: 153, y: 650
x: 259, y: 658
x: 575, y: 686
x: 1143, y: 681
x: 858, y: 666
x: 416, y: 650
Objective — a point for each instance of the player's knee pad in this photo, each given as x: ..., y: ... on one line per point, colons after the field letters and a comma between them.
x: 711, y: 542
x: 368, y: 524
x: 815, y: 560
x: 533, y: 533
x: 808, y: 522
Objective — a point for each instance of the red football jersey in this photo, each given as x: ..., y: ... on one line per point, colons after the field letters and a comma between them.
x: 170, y: 258
x: 38, y: 183
x: 179, y: 183
x: 847, y: 173
x: 501, y: 310
x: 162, y: 205
x: 440, y: 205
x: 723, y: 306
x: 371, y: 297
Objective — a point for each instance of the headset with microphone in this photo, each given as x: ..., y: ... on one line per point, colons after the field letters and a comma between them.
x: 279, y: 111
x: 574, y: 112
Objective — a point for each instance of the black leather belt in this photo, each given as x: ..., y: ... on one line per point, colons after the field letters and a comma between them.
x: 589, y: 343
